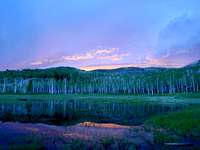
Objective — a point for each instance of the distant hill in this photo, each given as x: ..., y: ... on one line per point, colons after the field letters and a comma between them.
x: 194, y: 64
x: 64, y: 70
x: 131, y: 70
x: 122, y: 70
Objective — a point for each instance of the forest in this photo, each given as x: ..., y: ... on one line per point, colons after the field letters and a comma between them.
x: 132, y: 80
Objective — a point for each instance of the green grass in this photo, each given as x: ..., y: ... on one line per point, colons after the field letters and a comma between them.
x: 184, y: 123
x: 167, y: 127
x: 32, y: 146
x: 26, y: 143
x: 94, y: 98
x: 105, y: 98
x: 161, y: 137
x: 188, y: 95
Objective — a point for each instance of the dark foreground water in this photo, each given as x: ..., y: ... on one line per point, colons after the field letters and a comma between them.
x: 73, y: 111
x: 77, y: 135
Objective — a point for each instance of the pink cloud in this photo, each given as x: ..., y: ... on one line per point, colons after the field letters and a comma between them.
x: 111, y: 54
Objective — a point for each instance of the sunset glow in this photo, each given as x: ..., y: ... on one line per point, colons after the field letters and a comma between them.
x: 98, y: 34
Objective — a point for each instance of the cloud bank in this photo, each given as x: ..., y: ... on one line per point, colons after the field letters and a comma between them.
x: 111, y: 54
x: 179, y: 42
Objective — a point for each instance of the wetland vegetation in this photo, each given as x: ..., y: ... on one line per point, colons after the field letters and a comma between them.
x: 162, y: 119
x: 127, y: 108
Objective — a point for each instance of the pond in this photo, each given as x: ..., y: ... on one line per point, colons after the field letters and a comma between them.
x: 74, y: 111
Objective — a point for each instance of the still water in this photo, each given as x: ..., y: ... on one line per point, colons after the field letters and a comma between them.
x: 71, y: 111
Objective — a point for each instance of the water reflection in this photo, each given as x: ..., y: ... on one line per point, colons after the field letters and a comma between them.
x: 74, y: 110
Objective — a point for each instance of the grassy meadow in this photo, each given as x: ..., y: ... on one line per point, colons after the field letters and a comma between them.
x: 179, y: 125
x: 105, y: 98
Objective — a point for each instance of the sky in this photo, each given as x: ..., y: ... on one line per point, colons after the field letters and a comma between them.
x: 98, y: 34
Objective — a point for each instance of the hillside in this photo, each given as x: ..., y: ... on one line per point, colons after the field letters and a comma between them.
x: 194, y: 64
x: 129, y: 80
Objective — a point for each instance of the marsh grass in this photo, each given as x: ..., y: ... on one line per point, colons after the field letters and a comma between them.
x: 195, y: 95
x: 26, y: 143
x: 161, y: 137
x: 103, y: 98
x: 93, y: 98
x: 168, y: 127
x: 184, y: 123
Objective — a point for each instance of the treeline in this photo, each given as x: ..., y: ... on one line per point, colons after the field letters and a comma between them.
x: 119, y: 81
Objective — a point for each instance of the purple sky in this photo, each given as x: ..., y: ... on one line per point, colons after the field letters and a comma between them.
x: 91, y: 34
